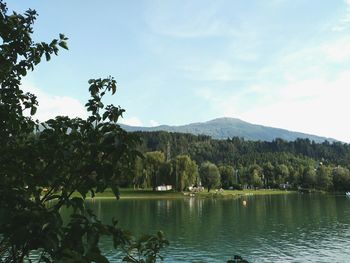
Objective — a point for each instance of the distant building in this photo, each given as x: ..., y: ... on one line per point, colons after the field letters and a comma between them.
x: 164, y: 188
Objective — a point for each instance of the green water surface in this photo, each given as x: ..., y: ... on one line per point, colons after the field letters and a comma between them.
x: 279, y: 228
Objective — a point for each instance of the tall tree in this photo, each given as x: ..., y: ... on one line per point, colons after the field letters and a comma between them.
x: 139, y: 179
x: 309, y: 176
x: 186, y: 172
x: 165, y: 174
x: 227, y: 174
x: 268, y: 171
x: 153, y: 163
x: 341, y: 179
x: 324, y: 177
x: 255, y: 175
x: 210, y: 175
x: 281, y: 173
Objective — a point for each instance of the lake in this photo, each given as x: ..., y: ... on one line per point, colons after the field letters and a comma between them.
x: 278, y: 228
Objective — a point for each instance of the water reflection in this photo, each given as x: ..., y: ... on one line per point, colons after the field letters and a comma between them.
x: 288, y: 228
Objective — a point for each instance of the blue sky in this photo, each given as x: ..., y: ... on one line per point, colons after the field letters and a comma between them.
x: 276, y: 62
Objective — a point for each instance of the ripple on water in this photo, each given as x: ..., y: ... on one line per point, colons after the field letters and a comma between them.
x: 289, y: 228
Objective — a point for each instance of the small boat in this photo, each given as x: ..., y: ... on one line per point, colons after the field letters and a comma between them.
x: 347, y: 194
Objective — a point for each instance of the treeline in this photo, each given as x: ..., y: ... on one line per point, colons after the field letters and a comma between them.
x: 181, y: 172
x: 179, y: 160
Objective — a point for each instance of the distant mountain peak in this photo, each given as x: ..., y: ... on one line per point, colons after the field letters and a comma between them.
x: 226, y: 127
x: 226, y: 120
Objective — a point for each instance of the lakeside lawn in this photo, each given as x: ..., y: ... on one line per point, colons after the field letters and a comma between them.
x: 129, y: 193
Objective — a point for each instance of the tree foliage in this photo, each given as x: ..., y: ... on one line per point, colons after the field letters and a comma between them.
x: 64, y: 156
x: 227, y: 176
x: 341, y: 178
x: 210, y: 175
x: 280, y: 162
x: 186, y: 172
x: 153, y: 163
x: 255, y: 174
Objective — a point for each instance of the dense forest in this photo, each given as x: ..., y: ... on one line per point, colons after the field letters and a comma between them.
x: 178, y: 159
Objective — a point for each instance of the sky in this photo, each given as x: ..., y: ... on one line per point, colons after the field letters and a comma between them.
x: 279, y: 63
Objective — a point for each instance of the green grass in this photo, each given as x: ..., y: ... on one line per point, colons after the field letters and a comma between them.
x: 238, y: 193
x: 129, y: 193
x: 148, y: 193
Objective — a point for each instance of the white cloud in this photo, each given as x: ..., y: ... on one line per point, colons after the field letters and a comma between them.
x: 135, y: 121
x: 317, y: 106
x: 307, y: 98
x: 338, y: 51
x: 153, y: 123
x: 132, y: 121
x: 51, y: 106
x: 338, y: 28
x: 344, y: 22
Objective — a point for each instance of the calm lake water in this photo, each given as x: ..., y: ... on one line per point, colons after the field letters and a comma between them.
x: 280, y: 228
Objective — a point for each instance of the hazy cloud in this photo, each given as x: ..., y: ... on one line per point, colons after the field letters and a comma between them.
x: 343, y: 23
x: 302, y: 89
x: 51, y: 106
x: 132, y: 121
x: 320, y: 110
x: 153, y: 123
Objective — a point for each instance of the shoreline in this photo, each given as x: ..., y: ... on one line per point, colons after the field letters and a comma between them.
x: 149, y: 194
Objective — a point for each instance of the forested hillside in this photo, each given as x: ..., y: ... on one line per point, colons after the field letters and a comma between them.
x: 299, y: 163
x: 240, y: 151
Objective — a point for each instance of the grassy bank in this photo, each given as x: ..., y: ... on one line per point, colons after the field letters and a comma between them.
x: 238, y: 193
x: 149, y: 194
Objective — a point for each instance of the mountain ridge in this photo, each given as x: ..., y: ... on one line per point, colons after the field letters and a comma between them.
x: 225, y: 127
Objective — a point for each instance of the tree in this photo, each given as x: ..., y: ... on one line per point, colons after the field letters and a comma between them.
x: 268, y: 170
x: 281, y: 173
x: 341, y: 179
x: 210, y: 175
x: 186, y: 172
x: 153, y: 163
x: 227, y: 174
x: 65, y: 156
x: 294, y: 175
x: 138, y: 179
x: 324, y: 177
x: 309, y: 176
x: 165, y: 174
x: 255, y: 175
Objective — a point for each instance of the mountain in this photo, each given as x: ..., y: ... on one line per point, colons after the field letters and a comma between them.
x: 223, y: 128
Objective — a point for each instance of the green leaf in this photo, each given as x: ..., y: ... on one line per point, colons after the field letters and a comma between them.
x: 33, y: 110
x: 48, y: 56
x: 52, y: 197
x: 63, y: 44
